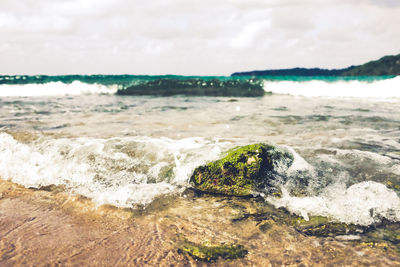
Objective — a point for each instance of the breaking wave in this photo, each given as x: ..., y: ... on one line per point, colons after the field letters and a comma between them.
x: 133, y: 171
x: 55, y: 89
x: 197, y: 87
x: 359, y: 87
x: 386, y: 88
x: 204, y: 86
x: 311, y: 191
x: 124, y: 172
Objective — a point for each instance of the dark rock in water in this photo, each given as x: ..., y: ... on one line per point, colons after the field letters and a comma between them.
x: 323, y: 227
x: 388, y: 231
x: 197, y: 87
x: 243, y: 171
x: 210, y: 253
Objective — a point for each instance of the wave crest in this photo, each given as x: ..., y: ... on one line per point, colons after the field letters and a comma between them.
x: 196, y: 87
x: 55, y: 89
x: 124, y: 172
x: 387, y: 88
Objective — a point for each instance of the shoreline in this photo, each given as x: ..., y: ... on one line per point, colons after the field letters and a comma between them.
x: 40, y: 227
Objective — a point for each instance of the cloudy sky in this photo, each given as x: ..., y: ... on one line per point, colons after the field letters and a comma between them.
x: 203, y: 37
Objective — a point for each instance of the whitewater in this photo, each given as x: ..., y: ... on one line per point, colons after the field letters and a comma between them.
x: 128, y: 151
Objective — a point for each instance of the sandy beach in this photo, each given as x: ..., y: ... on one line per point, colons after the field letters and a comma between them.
x: 49, y: 227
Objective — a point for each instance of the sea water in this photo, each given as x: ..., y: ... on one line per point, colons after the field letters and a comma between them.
x: 128, y: 150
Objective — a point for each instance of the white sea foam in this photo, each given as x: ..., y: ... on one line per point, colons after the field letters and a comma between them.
x: 388, y: 88
x: 55, y: 89
x: 364, y: 203
x: 299, y: 164
x: 119, y: 171
x: 132, y: 171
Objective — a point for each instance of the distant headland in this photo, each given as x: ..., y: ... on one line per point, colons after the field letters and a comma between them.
x: 387, y: 65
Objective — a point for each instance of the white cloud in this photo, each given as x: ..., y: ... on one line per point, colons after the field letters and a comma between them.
x: 249, y: 33
x: 79, y: 7
x: 192, y: 37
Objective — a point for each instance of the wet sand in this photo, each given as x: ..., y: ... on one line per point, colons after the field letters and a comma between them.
x: 50, y: 227
x: 39, y: 228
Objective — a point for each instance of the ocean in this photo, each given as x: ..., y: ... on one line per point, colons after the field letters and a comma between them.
x: 127, y: 151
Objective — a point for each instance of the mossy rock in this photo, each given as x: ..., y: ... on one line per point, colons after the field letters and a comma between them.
x: 243, y: 171
x: 210, y: 253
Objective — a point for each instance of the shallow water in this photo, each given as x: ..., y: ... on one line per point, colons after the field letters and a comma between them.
x: 38, y: 227
x: 125, y: 151
x: 138, y: 152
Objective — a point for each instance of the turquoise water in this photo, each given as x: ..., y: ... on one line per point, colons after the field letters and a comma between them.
x: 126, y: 79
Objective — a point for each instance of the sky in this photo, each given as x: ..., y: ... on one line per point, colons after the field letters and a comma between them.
x: 192, y: 37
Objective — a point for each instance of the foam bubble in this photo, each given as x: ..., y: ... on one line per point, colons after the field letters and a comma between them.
x: 55, y: 89
x: 387, y: 88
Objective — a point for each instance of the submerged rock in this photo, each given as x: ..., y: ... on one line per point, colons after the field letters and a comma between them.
x: 243, y: 171
x: 210, y: 253
x: 267, y: 215
x: 323, y: 227
x: 385, y: 235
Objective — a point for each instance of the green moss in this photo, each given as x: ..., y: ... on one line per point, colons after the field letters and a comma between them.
x: 210, y: 253
x: 392, y: 185
x: 242, y: 171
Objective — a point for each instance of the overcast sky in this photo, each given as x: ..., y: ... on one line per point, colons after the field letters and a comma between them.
x: 203, y: 37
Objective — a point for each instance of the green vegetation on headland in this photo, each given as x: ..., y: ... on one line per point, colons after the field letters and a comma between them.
x: 196, y: 87
x: 388, y: 65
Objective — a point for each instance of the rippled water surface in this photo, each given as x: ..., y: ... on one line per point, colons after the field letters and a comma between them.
x: 125, y: 151
x: 138, y: 153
